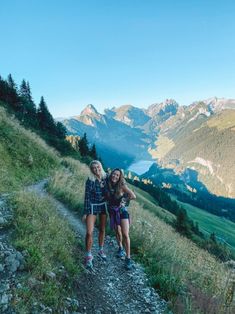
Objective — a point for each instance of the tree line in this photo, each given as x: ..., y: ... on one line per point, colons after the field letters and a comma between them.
x: 19, y: 101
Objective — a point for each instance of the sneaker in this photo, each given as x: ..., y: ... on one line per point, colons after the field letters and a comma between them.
x: 121, y: 253
x: 102, y: 255
x: 128, y: 264
x: 89, y: 261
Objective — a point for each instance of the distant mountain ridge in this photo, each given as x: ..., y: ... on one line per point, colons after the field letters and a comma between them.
x: 176, y: 137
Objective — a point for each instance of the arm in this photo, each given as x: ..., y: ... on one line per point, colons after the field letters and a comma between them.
x: 130, y: 193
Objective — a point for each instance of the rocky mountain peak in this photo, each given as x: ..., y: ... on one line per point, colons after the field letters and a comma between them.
x: 217, y: 104
x: 130, y: 115
x: 169, y: 106
x: 89, y: 110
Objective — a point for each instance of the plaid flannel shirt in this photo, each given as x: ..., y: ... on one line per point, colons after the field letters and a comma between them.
x: 95, y: 195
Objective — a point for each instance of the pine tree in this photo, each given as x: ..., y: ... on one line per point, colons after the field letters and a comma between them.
x: 13, y: 97
x: 24, y: 90
x: 213, y: 237
x: 29, y: 113
x: 93, y: 152
x: 11, y: 83
x: 182, y: 225
x: 45, y: 119
x: 60, y: 130
x: 83, y: 146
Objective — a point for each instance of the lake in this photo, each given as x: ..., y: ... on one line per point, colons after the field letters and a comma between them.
x: 141, y: 166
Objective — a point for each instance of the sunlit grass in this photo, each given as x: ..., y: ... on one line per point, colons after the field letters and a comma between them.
x: 25, y: 157
x: 51, y: 246
x: 189, y: 277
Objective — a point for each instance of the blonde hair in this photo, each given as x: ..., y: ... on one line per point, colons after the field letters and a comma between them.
x: 92, y: 177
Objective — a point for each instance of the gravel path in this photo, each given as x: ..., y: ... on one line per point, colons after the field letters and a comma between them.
x: 109, y: 288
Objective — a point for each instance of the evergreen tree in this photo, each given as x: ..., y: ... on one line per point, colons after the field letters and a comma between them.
x: 83, y: 146
x: 29, y: 114
x: 45, y: 119
x: 8, y: 93
x: 182, y: 225
x: 60, y: 130
x: 14, y: 100
x: 213, y: 237
x: 11, y: 83
x: 24, y: 90
x: 93, y: 152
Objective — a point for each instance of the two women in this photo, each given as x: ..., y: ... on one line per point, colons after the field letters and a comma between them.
x: 99, y: 190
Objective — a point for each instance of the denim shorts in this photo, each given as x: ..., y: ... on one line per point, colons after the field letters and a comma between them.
x: 98, y: 209
x: 124, y: 214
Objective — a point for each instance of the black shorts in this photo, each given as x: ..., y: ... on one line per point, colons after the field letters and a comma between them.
x: 124, y: 215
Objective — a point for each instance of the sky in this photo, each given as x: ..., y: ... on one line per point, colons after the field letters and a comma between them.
x: 115, y: 52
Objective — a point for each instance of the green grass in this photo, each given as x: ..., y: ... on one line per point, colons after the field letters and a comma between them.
x: 208, y: 223
x: 150, y: 204
x: 25, y: 158
x: 181, y: 271
x: 51, y: 247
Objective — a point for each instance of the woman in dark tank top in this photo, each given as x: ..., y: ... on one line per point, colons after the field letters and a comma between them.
x: 119, y: 196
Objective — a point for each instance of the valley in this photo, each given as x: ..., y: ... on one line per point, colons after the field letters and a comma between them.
x: 223, y: 228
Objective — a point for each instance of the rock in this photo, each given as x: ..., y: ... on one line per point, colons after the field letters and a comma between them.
x: 12, y: 263
x: 4, y: 299
x: 1, y: 268
x: 34, y: 283
x: 50, y: 275
x: 4, y: 287
x: 2, y: 221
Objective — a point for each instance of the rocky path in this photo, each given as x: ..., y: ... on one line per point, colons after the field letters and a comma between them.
x: 108, y: 289
x: 11, y: 260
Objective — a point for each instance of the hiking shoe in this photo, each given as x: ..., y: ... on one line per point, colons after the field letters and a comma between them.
x: 121, y: 253
x: 89, y: 261
x: 102, y: 255
x: 128, y: 264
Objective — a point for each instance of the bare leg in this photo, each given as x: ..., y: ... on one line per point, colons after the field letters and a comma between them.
x: 102, y: 224
x: 90, y: 223
x: 125, y: 234
x: 118, y: 232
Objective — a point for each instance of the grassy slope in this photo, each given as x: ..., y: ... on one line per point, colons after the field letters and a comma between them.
x: 149, y: 203
x: 37, y: 229
x: 183, y: 273
x: 25, y: 158
x: 51, y: 246
x: 209, y: 223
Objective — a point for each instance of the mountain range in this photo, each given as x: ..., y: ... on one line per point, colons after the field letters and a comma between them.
x: 198, y: 139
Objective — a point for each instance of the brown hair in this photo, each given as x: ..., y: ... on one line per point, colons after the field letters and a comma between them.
x: 118, y: 186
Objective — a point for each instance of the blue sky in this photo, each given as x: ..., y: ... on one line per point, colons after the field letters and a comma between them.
x: 115, y: 52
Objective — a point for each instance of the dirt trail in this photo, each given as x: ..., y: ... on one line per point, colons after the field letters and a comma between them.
x: 109, y: 288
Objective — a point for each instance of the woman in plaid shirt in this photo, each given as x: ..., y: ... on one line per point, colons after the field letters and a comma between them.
x: 95, y: 204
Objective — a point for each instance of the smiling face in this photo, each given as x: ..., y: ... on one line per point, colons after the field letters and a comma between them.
x: 115, y: 176
x: 96, y: 170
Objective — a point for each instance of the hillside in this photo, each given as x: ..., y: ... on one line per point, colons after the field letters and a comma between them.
x: 25, y: 157
x: 173, y: 262
x: 202, y: 144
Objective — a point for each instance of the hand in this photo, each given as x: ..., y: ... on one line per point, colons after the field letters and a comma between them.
x: 84, y: 218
